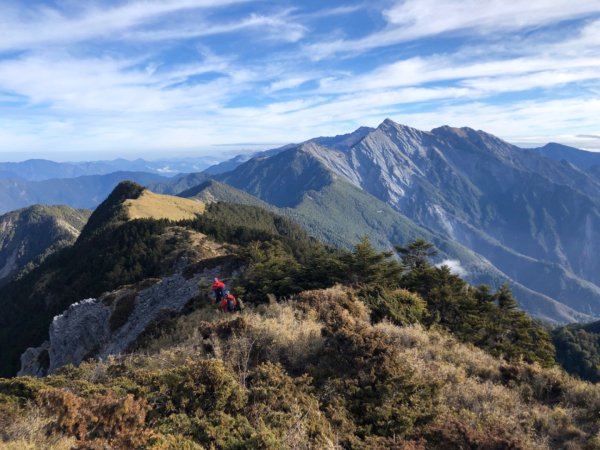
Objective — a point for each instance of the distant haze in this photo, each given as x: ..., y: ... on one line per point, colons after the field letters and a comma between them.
x: 217, y: 152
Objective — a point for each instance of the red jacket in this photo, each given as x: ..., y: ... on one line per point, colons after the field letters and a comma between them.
x: 224, y: 303
x: 218, y: 284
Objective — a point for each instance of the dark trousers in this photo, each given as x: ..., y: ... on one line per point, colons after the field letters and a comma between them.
x: 219, y: 294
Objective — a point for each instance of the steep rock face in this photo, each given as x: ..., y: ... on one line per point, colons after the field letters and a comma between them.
x: 509, y: 204
x: 343, y: 141
x: 75, y: 334
x: 110, y: 324
x: 340, y: 142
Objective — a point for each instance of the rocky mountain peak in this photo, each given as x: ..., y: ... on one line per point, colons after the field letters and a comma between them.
x: 446, y: 130
x: 389, y: 126
x: 477, y: 138
x: 111, y: 210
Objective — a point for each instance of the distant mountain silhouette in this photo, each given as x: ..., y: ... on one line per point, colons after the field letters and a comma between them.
x: 43, y: 169
x: 79, y: 192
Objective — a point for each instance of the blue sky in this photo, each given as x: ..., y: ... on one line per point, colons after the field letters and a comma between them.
x: 83, y: 80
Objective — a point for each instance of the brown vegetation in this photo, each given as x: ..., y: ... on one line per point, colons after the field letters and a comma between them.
x: 310, y: 373
x: 156, y: 206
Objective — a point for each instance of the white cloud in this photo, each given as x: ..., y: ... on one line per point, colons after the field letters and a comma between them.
x: 271, y: 27
x: 419, y: 70
x: 427, y: 17
x: 455, y: 267
x: 96, y: 84
x: 534, y: 65
x: 287, y: 83
x: 174, y: 130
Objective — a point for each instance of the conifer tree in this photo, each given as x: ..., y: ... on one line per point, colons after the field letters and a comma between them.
x: 365, y: 265
x: 416, y: 254
x: 505, y: 299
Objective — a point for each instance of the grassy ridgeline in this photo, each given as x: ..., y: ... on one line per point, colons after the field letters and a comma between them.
x: 113, y: 251
x: 314, y: 372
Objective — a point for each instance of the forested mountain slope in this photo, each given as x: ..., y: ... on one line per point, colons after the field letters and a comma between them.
x: 29, y: 235
x: 115, y: 250
x: 578, y: 349
x: 341, y: 214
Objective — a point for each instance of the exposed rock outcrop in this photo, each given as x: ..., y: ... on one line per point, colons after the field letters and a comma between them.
x: 108, y: 325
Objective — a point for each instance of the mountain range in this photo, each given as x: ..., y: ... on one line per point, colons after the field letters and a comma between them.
x: 497, y: 212
x: 118, y: 343
x: 42, y: 169
x: 531, y: 217
x: 580, y: 158
x: 79, y: 192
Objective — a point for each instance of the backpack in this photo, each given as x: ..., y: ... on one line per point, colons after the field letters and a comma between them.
x: 230, y: 304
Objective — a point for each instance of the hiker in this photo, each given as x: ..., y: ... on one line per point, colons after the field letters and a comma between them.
x: 218, y: 289
x: 229, y: 303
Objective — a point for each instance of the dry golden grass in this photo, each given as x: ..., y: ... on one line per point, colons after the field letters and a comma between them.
x: 475, y: 389
x: 536, y: 407
x: 156, y: 206
x: 474, y: 384
x: 28, y: 432
x: 277, y: 333
x: 271, y: 333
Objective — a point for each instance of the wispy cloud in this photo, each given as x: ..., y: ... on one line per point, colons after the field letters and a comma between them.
x: 192, y: 74
x: 588, y: 136
x: 409, y: 20
x: 275, y: 26
x: 44, y: 26
x: 539, y: 65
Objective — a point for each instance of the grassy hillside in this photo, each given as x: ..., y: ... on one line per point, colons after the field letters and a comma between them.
x: 333, y: 349
x: 214, y: 191
x: 313, y: 372
x: 155, y: 206
x: 282, y: 179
